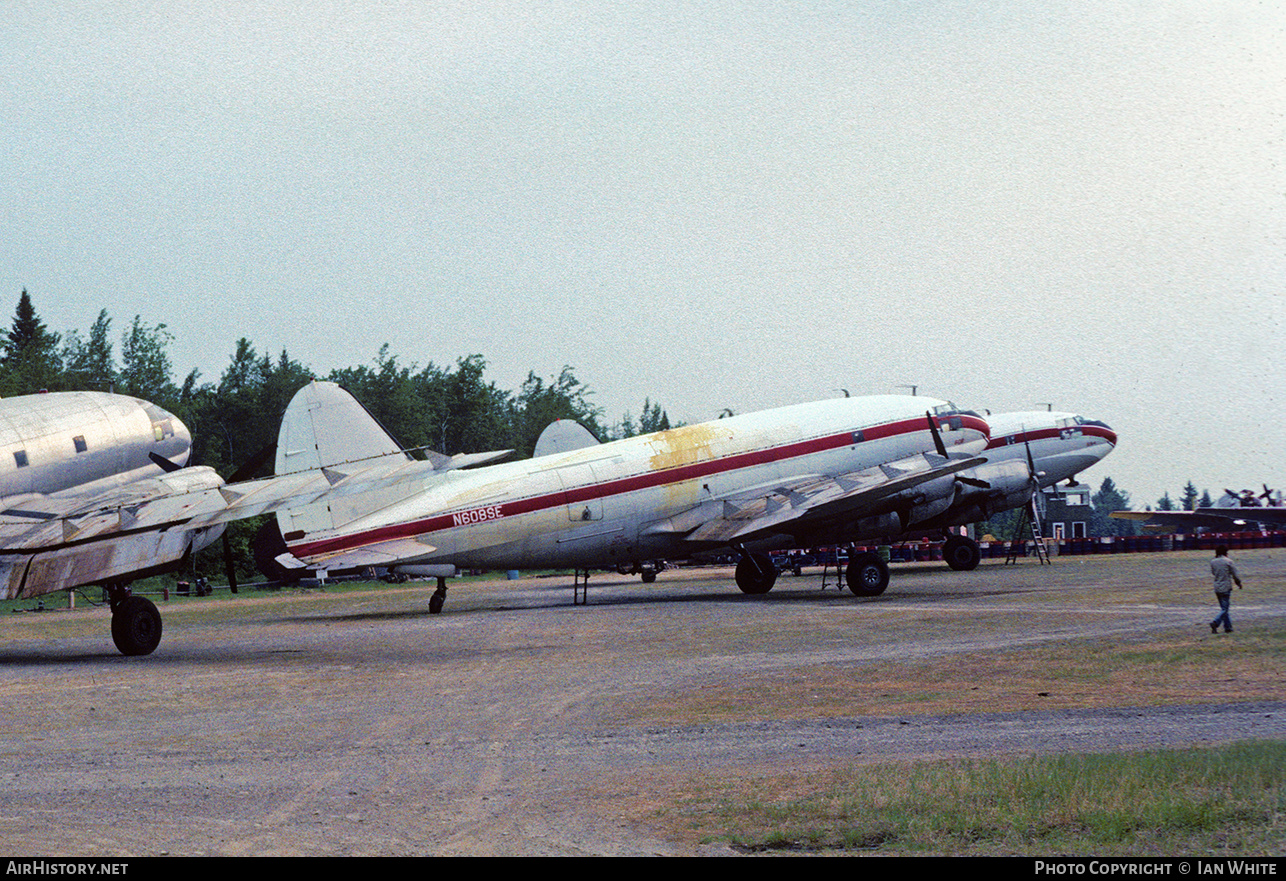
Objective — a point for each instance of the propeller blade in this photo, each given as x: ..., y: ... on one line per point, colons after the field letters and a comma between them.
x: 227, y: 563
x: 165, y: 464
x: 255, y: 462
x: 937, y: 437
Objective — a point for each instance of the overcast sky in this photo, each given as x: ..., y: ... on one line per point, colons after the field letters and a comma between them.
x: 712, y: 204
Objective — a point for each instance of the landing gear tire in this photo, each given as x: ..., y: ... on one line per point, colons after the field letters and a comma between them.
x: 756, y: 573
x: 136, y: 626
x: 962, y: 554
x: 867, y: 575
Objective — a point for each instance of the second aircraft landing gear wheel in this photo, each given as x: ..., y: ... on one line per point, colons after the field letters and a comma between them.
x: 867, y: 575
x: 136, y: 626
x: 962, y: 554
x: 756, y: 573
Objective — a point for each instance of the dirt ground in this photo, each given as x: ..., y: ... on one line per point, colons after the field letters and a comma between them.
x: 517, y: 723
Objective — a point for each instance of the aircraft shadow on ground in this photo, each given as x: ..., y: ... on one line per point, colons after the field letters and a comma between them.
x: 611, y: 592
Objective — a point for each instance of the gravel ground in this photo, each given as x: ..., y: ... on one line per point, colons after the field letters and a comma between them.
x: 516, y: 723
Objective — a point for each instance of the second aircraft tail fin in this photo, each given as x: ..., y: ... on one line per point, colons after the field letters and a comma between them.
x: 324, y: 426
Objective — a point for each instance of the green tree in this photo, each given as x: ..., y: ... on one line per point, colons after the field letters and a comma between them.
x: 1165, y: 503
x: 145, y: 365
x: 29, y: 358
x: 537, y: 404
x: 653, y: 418
x: 1188, y: 501
x: 1206, y: 501
x: 89, y: 363
x: 234, y: 430
x: 476, y: 416
x: 1106, y: 500
x: 403, y: 402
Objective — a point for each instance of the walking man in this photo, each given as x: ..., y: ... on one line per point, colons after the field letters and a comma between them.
x: 1225, y: 574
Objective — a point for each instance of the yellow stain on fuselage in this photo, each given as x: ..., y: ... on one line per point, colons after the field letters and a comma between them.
x: 687, y: 445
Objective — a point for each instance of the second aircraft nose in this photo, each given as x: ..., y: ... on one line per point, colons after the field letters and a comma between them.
x: 1100, y: 429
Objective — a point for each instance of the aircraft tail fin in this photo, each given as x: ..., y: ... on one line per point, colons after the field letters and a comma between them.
x: 563, y: 436
x: 324, y: 426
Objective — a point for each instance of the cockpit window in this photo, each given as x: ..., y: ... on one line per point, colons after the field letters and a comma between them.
x: 1069, y: 426
x: 950, y: 409
x: 162, y: 422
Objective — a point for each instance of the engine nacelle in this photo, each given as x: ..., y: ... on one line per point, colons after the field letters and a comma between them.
x: 926, y: 501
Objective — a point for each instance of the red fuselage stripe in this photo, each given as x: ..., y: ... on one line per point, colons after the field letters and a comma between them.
x: 1045, y: 433
x: 590, y: 492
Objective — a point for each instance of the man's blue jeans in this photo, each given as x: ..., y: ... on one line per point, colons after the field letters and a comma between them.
x: 1225, y: 599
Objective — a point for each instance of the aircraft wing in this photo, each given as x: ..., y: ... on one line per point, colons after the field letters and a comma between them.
x: 801, y: 503
x: 1213, y: 518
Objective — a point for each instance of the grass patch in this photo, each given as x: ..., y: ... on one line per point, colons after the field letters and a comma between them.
x: 1174, y: 667
x: 1224, y: 801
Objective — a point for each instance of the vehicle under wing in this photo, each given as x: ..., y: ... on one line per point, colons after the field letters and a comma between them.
x: 802, y: 504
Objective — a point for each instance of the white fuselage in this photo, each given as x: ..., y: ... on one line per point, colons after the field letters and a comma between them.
x: 1062, y: 445
x: 83, y: 442
x: 63, y: 452
x: 623, y: 501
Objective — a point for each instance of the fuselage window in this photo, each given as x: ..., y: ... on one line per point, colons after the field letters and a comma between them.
x: 20, y: 458
x: 79, y: 441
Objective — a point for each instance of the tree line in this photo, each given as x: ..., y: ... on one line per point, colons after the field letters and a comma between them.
x: 449, y: 408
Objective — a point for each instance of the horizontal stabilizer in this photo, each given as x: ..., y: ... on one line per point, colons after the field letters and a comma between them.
x: 1212, y: 518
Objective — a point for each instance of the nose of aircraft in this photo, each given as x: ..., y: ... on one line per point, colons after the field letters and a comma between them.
x: 1100, y: 430
x: 182, y: 440
x: 171, y: 438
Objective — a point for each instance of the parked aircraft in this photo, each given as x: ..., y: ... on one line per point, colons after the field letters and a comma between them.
x: 1233, y: 511
x: 815, y: 473
x: 1028, y: 451
x: 65, y: 456
x: 93, y: 491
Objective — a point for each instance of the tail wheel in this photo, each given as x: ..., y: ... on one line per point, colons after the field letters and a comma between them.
x: 867, y: 575
x: 136, y: 626
x: 755, y: 573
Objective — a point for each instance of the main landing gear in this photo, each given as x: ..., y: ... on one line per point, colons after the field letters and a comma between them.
x: 867, y: 575
x: 755, y: 573
x: 439, y: 597
x: 136, y: 624
x: 962, y: 554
